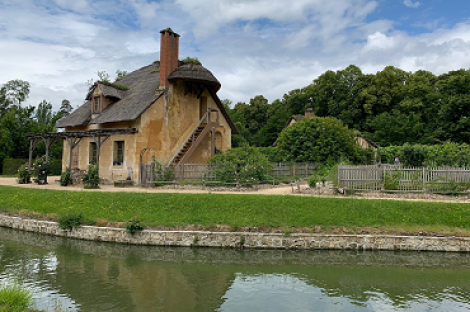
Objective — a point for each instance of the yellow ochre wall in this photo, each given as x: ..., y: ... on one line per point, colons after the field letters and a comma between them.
x: 164, y: 127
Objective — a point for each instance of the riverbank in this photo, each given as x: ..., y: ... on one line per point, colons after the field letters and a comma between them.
x: 242, y: 213
x: 242, y: 240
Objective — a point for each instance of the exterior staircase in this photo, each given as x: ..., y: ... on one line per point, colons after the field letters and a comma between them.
x: 204, y: 126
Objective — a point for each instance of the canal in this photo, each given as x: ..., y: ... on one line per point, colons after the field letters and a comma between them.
x: 91, y: 276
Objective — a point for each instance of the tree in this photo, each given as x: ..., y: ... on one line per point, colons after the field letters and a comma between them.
x: 44, y: 113
x: 15, y: 91
x: 65, y: 108
x: 320, y: 139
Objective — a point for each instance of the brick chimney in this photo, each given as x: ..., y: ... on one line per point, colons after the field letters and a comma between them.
x: 169, y: 44
x: 309, y: 113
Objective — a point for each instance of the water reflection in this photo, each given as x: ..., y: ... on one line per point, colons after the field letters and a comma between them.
x: 90, y: 276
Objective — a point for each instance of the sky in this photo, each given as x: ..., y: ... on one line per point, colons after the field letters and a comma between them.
x: 253, y: 47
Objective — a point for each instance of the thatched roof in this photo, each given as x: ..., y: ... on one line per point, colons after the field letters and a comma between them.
x: 196, y: 73
x: 142, y: 93
x: 81, y: 116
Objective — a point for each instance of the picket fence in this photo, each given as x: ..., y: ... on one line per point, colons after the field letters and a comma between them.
x: 199, y: 172
x: 404, y: 179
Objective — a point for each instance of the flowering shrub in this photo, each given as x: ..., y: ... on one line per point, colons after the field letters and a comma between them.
x: 40, y: 170
x: 91, y: 179
x: 24, y: 177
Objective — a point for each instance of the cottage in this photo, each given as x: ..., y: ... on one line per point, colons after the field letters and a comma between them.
x: 167, y: 112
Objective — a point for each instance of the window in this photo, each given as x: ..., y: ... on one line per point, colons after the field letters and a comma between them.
x: 96, y: 104
x: 118, y: 153
x: 93, y: 156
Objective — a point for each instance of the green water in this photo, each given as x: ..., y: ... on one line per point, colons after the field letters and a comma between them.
x: 89, y: 276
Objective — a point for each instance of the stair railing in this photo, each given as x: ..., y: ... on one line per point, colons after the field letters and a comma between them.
x: 205, y: 116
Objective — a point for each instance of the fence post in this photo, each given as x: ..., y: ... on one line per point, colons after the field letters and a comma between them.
x: 424, y: 179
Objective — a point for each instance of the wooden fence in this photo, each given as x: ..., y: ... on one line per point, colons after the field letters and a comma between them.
x: 404, y: 179
x: 196, y: 173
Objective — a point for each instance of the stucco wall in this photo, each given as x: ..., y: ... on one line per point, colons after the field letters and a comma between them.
x: 164, y: 127
x: 248, y: 240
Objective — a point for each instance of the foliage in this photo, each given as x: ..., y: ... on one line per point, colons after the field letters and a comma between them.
x: 238, y: 211
x: 191, y: 60
x: 116, y: 85
x: 391, y: 107
x: 65, y: 177
x: 40, y: 170
x: 163, y: 175
x: 134, y: 225
x: 323, y: 140
x: 71, y: 220
x: 312, y: 181
x: 392, y: 180
x: 273, y: 153
x: 446, y: 154
x: 17, y: 121
x: 24, y: 177
x: 246, y: 165
x: 91, y: 178
x: 120, y: 74
x: 15, y: 299
x: 10, y: 166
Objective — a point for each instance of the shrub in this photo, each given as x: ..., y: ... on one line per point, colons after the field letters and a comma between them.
x: 71, y: 220
x: 65, y: 177
x: 446, y: 154
x: 24, y: 177
x: 55, y: 167
x: 10, y: 166
x: 392, y: 180
x: 40, y: 170
x: 134, y: 225
x: 312, y: 181
x: 321, y: 139
x: 92, y: 179
x: 245, y: 164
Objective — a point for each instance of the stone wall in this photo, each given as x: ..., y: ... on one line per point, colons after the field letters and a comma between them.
x: 247, y: 240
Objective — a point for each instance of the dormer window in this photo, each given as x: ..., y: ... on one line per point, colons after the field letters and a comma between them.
x: 97, y: 104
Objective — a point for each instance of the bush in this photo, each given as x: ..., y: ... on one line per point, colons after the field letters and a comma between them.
x: 134, y: 225
x: 10, y: 166
x: 323, y: 140
x: 312, y: 181
x: 446, y: 154
x: 245, y: 164
x: 65, y: 177
x: 24, y: 177
x: 71, y: 220
x: 91, y: 179
x: 55, y: 167
x: 40, y: 170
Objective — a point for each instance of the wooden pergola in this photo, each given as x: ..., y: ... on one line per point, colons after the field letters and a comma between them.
x: 73, y: 138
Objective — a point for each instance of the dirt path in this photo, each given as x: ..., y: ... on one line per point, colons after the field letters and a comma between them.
x: 278, y: 190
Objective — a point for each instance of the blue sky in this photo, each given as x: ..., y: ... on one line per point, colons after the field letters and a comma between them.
x: 253, y: 47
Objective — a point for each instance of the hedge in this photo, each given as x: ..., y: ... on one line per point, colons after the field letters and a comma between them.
x: 10, y: 166
x: 446, y: 154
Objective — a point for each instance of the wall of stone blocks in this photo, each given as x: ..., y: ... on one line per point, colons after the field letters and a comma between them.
x: 247, y: 240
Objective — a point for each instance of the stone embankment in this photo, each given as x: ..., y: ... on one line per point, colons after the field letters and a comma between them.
x: 243, y: 239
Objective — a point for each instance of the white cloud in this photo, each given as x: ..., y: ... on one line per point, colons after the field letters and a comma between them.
x: 252, y: 46
x: 412, y: 4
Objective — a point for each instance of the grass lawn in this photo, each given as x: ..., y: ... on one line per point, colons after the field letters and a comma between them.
x: 209, y: 210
